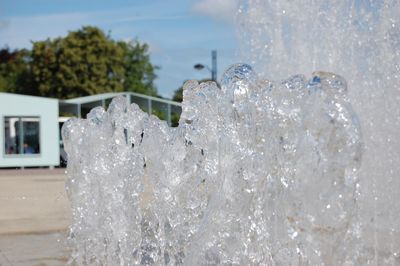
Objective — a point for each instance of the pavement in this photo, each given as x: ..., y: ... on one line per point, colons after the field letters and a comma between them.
x: 34, y: 217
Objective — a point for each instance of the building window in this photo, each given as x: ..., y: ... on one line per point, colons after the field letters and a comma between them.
x: 22, y: 135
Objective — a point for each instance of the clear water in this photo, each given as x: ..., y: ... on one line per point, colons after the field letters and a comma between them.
x: 360, y: 40
x: 284, y: 171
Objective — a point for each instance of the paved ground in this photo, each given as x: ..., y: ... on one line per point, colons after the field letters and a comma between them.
x: 34, y: 217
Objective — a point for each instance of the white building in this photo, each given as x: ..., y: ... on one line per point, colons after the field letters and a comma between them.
x: 30, y: 126
x: 29, y: 132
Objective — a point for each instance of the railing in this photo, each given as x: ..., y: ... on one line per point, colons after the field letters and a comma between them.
x: 165, y: 109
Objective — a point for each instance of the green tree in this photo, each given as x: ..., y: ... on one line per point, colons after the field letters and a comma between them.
x: 178, y: 95
x: 88, y: 62
x: 14, y: 70
x: 85, y: 62
x: 139, y: 72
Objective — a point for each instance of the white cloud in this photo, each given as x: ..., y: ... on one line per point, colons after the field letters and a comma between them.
x: 224, y: 10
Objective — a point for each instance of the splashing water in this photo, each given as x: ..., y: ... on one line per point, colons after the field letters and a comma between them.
x: 258, y: 172
x: 359, y: 40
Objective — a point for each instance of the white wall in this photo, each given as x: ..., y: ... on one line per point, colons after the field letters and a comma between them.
x: 47, y: 110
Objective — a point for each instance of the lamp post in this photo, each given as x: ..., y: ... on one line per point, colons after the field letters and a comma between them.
x: 213, y: 68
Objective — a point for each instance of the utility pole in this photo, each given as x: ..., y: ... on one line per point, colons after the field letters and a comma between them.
x: 213, y: 68
x: 214, y: 65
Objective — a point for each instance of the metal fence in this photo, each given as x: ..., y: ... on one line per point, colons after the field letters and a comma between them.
x: 165, y: 109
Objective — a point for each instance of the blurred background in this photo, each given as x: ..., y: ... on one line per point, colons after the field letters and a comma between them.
x: 59, y: 59
x: 173, y: 35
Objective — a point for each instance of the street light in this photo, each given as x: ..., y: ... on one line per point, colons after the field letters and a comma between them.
x: 213, y: 68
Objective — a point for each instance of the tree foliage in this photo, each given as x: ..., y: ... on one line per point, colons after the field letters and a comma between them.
x: 139, y: 72
x: 85, y: 62
x: 178, y: 95
x: 14, y: 70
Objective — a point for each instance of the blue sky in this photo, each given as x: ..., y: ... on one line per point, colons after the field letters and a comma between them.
x: 180, y: 33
